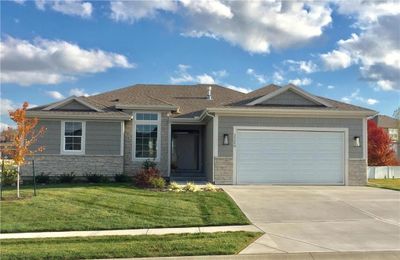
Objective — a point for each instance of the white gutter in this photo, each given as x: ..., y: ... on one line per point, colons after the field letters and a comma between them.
x: 288, y: 112
x: 72, y: 116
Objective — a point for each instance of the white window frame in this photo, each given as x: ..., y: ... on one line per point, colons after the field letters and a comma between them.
x: 146, y: 122
x: 83, y: 138
x: 391, y: 134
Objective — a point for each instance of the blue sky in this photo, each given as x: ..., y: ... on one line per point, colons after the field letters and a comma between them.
x: 341, y: 50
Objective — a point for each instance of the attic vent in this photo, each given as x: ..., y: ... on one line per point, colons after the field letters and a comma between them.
x: 115, y: 100
x: 209, y: 95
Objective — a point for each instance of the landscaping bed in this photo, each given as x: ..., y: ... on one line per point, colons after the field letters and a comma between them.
x: 114, y: 206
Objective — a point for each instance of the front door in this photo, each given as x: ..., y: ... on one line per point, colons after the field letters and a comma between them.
x: 185, y: 152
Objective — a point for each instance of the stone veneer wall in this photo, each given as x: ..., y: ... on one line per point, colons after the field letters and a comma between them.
x: 223, y: 170
x: 357, y: 172
x: 80, y: 165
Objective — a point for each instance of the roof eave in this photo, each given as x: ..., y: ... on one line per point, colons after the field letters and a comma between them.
x: 56, y: 115
x: 291, y: 112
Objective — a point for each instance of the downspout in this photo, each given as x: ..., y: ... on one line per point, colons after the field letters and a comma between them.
x: 213, y: 154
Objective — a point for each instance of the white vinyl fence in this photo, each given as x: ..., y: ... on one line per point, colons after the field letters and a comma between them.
x: 382, y: 172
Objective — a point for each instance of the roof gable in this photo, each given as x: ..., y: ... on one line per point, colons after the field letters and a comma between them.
x: 290, y: 96
x: 72, y: 104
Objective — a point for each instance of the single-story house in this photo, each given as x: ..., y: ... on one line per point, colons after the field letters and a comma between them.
x: 272, y: 135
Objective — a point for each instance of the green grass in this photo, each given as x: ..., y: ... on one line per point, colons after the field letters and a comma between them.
x: 114, y: 206
x: 127, y: 246
x: 392, y: 184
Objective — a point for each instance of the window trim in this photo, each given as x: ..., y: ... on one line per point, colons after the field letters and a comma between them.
x: 146, y: 122
x: 391, y: 134
x: 83, y: 138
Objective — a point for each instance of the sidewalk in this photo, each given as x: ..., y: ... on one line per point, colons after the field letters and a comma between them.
x: 130, y: 232
x: 384, y: 255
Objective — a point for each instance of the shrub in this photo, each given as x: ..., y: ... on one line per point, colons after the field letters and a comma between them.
x: 157, y: 182
x: 96, y: 178
x: 149, y: 164
x: 210, y: 187
x: 9, y: 176
x: 142, y: 178
x: 66, y: 177
x: 122, y: 178
x: 43, y: 178
x: 191, y: 187
x: 175, y: 187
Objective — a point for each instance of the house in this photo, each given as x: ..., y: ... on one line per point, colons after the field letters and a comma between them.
x: 392, y: 127
x: 275, y: 135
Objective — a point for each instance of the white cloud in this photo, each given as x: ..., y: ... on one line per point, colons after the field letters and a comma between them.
x: 205, y: 79
x: 182, y: 75
x: 240, y: 89
x: 210, y: 7
x: 355, y: 97
x: 55, y: 94
x: 78, y: 92
x: 302, y: 66
x: 336, y: 60
x: 368, y: 11
x: 52, y: 61
x: 6, y: 105
x: 68, y: 7
x: 131, y: 11
x: 255, y: 26
x: 220, y: 73
x: 277, y: 77
x: 375, y: 50
x: 259, y: 77
x: 330, y: 87
x: 301, y: 82
x: 21, y: 2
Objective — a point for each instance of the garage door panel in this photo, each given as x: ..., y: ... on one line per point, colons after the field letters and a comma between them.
x: 292, y: 157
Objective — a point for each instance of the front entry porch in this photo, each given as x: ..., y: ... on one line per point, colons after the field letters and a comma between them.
x: 187, y: 153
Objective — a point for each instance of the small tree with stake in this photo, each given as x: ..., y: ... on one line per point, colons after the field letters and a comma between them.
x: 25, y: 137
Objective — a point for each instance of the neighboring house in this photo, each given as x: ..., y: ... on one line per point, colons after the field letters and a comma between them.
x: 279, y: 135
x: 392, y: 127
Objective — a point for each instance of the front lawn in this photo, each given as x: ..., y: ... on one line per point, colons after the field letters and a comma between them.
x: 114, y: 206
x: 127, y: 246
x: 393, y: 184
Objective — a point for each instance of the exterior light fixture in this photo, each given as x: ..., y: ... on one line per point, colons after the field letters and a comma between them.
x: 226, y: 139
x: 356, y: 141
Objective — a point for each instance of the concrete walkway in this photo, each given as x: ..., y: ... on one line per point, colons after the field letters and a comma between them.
x: 130, y: 232
x: 386, y: 255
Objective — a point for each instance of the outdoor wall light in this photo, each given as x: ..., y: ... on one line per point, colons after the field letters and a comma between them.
x: 356, y: 141
x: 226, y: 139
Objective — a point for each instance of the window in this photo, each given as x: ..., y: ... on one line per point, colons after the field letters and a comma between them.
x: 73, y: 137
x: 146, y: 130
x: 394, y: 134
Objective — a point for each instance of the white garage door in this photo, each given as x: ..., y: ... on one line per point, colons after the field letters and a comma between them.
x: 289, y: 157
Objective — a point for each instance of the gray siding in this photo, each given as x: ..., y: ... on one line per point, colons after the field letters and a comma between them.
x: 51, y: 140
x: 103, y: 138
x: 289, y: 98
x: 74, y: 105
x: 208, y: 150
x: 354, y: 125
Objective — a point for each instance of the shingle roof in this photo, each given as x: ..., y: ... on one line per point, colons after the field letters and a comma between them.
x: 386, y: 121
x: 191, y: 99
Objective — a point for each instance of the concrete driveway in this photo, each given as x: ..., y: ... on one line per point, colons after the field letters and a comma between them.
x: 320, y: 219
